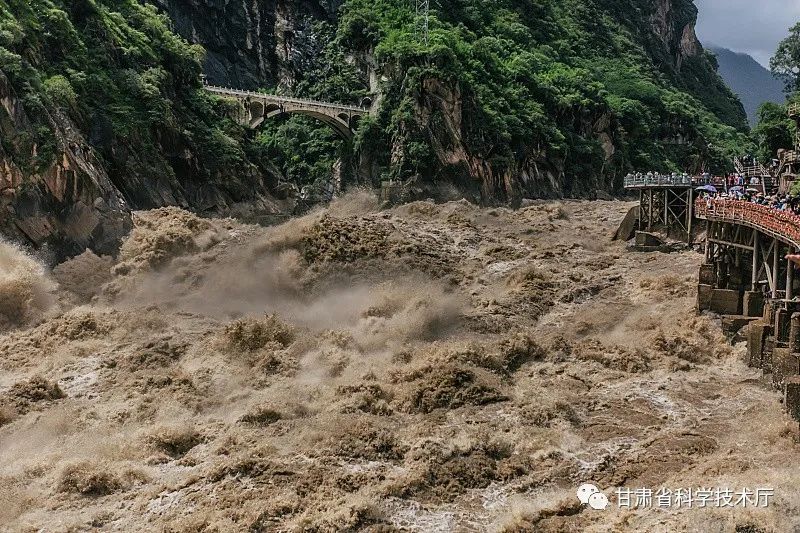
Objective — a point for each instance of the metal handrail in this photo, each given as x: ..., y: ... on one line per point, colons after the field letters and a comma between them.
x: 793, y: 110
x: 663, y: 181
x: 780, y: 224
x: 285, y: 99
x: 790, y: 156
x: 755, y: 169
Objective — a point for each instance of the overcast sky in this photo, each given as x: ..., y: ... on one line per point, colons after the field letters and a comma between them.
x: 751, y: 26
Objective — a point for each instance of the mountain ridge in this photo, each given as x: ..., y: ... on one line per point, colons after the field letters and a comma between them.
x: 748, y: 79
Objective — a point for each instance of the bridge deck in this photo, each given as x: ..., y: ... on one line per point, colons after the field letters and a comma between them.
x: 782, y: 225
x: 236, y: 93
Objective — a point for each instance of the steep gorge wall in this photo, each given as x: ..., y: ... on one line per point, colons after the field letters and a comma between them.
x: 270, y: 43
x: 642, y: 84
x: 102, y: 113
x: 71, y: 203
x: 250, y: 44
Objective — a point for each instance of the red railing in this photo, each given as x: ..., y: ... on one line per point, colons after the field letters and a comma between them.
x: 781, y: 224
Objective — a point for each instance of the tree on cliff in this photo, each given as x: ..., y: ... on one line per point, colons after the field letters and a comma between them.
x: 785, y: 64
x: 775, y: 131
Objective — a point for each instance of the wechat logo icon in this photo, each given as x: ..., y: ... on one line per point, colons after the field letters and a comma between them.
x: 590, y: 495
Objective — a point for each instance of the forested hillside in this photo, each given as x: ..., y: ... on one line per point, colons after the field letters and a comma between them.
x: 103, y: 108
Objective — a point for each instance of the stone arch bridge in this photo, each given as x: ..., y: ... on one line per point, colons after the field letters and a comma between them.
x: 258, y: 107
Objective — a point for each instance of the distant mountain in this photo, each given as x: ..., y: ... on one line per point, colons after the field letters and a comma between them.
x: 749, y: 79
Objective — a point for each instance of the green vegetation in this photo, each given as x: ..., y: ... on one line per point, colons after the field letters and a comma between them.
x: 115, y: 70
x: 775, y: 130
x: 573, y: 91
x: 786, y: 62
x: 538, y: 82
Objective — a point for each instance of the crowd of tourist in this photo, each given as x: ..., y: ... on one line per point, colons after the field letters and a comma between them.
x: 725, y: 182
x: 730, y: 187
x: 781, y: 202
x: 657, y: 177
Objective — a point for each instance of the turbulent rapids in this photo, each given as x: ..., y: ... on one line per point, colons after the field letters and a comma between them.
x: 423, y: 368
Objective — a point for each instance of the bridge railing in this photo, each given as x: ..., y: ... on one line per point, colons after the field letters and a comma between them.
x: 781, y: 224
x: 633, y: 181
x: 751, y: 169
x: 793, y: 110
x: 286, y: 99
x: 790, y: 157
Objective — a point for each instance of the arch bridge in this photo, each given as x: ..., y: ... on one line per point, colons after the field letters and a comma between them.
x: 258, y: 107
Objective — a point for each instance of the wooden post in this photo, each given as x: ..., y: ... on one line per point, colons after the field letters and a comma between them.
x: 789, y: 279
x: 650, y: 210
x: 755, y: 260
x: 775, y: 264
x: 689, y: 216
x: 641, y: 214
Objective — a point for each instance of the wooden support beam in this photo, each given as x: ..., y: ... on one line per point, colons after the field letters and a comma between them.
x: 689, y: 216
x: 732, y: 245
x: 775, y: 263
x: 754, y: 284
x: 769, y: 278
x: 789, y: 279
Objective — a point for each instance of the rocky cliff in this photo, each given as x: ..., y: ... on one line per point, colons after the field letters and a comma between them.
x: 70, y: 202
x: 506, y: 100
x: 560, y: 99
x: 250, y: 45
x: 103, y: 112
x: 597, y: 87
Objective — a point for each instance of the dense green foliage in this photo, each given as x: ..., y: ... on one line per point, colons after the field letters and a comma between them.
x: 775, y: 130
x: 581, y: 90
x: 121, y: 75
x: 785, y: 64
x: 538, y: 80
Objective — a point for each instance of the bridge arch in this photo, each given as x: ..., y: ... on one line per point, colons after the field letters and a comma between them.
x: 340, y: 124
x: 258, y: 107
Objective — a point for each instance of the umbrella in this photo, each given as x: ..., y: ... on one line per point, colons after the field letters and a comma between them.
x: 752, y: 190
x: 707, y: 188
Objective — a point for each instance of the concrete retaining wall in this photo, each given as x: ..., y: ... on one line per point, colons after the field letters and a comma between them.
x: 725, y: 302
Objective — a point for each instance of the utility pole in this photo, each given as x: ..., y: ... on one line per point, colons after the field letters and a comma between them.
x: 423, y: 16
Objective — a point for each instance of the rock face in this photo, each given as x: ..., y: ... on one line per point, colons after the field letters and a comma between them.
x: 249, y: 44
x: 672, y: 23
x: 90, y: 133
x: 71, y: 204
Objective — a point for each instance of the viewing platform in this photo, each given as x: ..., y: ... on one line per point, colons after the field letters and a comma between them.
x: 665, y: 201
x: 645, y: 182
